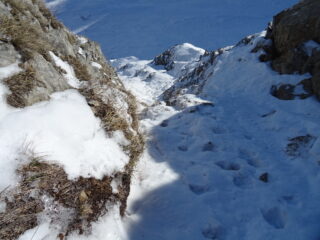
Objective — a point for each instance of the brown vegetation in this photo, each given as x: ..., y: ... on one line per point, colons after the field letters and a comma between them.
x: 25, y: 37
x: 21, y: 85
x: 84, y: 199
x: 80, y: 69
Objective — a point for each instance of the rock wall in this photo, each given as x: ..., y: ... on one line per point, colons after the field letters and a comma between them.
x: 296, y: 41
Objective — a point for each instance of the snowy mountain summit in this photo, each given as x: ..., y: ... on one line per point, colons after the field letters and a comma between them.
x: 232, y: 135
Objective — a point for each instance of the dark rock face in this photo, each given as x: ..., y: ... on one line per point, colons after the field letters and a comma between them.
x: 296, y: 25
x: 296, y: 41
x: 164, y: 59
x: 291, y: 92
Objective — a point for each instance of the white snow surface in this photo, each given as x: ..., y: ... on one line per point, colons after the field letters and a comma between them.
x: 143, y: 79
x: 187, y: 52
x: 145, y: 28
x: 96, y: 65
x: 63, y: 130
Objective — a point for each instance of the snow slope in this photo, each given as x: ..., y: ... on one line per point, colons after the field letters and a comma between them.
x: 227, y: 165
x: 63, y: 130
x: 144, y: 28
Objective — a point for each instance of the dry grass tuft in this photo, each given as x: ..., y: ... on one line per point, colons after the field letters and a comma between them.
x: 20, y: 8
x: 85, y: 199
x: 21, y: 85
x: 48, y: 15
x: 25, y: 36
x: 80, y: 69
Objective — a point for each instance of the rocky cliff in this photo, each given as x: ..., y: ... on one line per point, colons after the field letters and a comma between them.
x: 295, y: 34
x: 51, y: 59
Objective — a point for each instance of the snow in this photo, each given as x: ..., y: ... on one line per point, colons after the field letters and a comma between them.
x: 134, y: 70
x: 3, y: 206
x: 63, y: 130
x: 199, y: 176
x: 299, y: 89
x: 309, y: 46
x: 108, y: 227
x: 82, y: 39
x: 40, y: 232
x: 187, y: 52
x: 118, y: 137
x: 69, y: 75
x: 80, y: 51
x: 9, y: 70
x: 145, y: 28
x: 96, y: 65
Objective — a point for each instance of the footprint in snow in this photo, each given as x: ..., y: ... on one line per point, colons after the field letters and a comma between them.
x: 242, y: 181
x: 183, y: 148
x: 228, y: 166
x: 249, y: 158
x: 218, y: 130
x: 275, y: 217
x: 288, y: 199
x: 214, y: 232
x: 208, y: 147
x: 199, y: 189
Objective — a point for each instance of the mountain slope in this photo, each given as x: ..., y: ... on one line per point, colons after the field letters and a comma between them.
x: 232, y: 146
x: 228, y: 160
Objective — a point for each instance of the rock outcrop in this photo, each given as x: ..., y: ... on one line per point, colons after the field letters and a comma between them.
x: 295, y: 33
x: 178, y: 54
x: 32, y: 36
